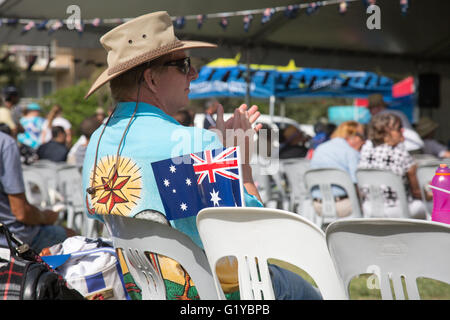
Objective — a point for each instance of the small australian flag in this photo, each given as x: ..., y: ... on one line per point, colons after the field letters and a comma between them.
x: 191, y: 182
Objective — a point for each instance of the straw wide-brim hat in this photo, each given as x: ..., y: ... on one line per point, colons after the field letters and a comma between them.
x: 425, y: 126
x: 140, y: 40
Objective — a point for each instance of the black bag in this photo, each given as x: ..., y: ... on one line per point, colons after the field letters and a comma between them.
x: 27, y: 277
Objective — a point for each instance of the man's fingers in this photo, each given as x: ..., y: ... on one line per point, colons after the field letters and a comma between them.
x: 236, y: 118
x: 220, y: 113
x: 253, y: 109
x: 258, y: 127
x: 254, y: 117
x: 243, y: 107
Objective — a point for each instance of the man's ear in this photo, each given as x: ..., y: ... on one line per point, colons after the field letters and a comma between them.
x: 149, y: 79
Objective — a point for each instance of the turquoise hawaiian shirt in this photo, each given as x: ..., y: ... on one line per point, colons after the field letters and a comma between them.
x: 152, y: 136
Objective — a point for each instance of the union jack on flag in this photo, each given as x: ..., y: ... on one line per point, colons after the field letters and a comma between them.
x: 220, y: 164
x: 191, y: 182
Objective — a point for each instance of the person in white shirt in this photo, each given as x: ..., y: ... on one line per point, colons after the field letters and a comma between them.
x: 55, y: 118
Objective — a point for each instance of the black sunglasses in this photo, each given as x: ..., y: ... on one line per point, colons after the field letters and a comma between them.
x: 184, y: 65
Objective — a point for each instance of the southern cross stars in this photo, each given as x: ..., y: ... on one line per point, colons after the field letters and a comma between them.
x: 215, y: 197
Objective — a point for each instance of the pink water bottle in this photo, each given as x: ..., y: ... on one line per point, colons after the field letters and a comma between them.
x: 440, y: 185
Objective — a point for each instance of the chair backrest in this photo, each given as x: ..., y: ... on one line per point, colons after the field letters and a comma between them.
x: 36, y: 188
x: 136, y: 237
x: 263, y: 184
x: 294, y: 171
x: 268, y: 180
x: 48, y: 171
x: 299, y: 198
x: 70, y: 185
x: 425, y: 173
x: 373, y: 179
x: 393, y: 249
x: 421, y: 156
x: 254, y: 235
x: 324, y: 178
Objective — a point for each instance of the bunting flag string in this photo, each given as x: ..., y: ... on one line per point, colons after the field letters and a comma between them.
x: 290, y: 12
x: 247, y: 22
x: 200, y: 20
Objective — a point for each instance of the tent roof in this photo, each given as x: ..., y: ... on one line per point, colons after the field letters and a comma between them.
x: 420, y: 37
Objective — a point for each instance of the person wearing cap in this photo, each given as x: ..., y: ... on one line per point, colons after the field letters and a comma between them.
x: 149, y: 73
x: 32, y: 123
x: 413, y: 143
x: 426, y: 128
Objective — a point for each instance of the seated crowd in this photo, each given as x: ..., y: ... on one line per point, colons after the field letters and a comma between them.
x: 150, y: 92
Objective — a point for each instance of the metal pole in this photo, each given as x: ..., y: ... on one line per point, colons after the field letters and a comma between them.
x: 248, y: 77
x: 272, y: 108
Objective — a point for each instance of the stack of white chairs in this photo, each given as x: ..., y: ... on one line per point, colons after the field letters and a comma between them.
x: 300, y: 201
x: 269, y: 182
x: 58, y: 186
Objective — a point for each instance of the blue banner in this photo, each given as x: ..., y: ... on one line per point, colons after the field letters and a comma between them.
x: 231, y: 82
x: 215, y: 80
x: 335, y: 83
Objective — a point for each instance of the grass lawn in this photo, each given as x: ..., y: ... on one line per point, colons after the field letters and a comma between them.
x: 359, y: 290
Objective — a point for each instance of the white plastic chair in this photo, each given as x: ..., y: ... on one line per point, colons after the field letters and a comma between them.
x: 69, y: 184
x: 294, y: 170
x: 324, y: 178
x: 392, y: 249
x: 48, y: 171
x: 269, y: 184
x: 425, y: 173
x: 36, y: 189
x: 373, y: 179
x: 137, y: 236
x: 254, y: 235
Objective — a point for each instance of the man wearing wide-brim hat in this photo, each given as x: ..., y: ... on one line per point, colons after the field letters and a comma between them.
x: 149, y: 73
x: 426, y: 128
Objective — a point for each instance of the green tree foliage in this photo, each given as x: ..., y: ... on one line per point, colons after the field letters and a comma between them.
x: 75, y: 107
